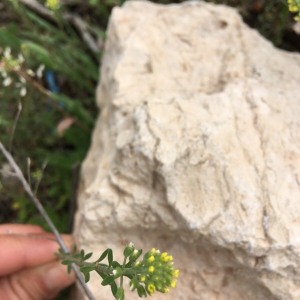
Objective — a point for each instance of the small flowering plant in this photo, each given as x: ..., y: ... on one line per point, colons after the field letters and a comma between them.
x: 154, y: 272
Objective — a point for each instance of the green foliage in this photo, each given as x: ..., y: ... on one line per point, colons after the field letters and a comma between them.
x: 36, y: 136
x: 155, y: 272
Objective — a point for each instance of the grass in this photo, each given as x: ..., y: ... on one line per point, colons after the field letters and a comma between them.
x: 58, y: 46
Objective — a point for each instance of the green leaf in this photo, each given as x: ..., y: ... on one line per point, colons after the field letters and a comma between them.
x: 114, y: 288
x: 74, y: 107
x: 86, y: 269
x: 103, y: 255
x: 101, y: 274
x: 69, y: 269
x: 115, y: 264
x: 86, y: 277
x: 108, y: 280
x: 110, y: 257
x: 87, y: 256
x: 41, y: 22
x: 103, y: 265
x: 66, y: 262
x: 74, y: 249
x: 82, y: 254
x: 9, y: 38
x: 120, y: 293
x: 128, y: 265
x: 40, y: 53
x: 141, y: 291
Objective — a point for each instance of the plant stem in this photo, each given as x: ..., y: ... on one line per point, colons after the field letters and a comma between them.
x: 121, y: 279
x: 79, y: 263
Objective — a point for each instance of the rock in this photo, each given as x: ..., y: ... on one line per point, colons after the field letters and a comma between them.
x: 296, y: 27
x: 196, y: 152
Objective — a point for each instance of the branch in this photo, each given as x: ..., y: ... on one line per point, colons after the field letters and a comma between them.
x: 78, y: 22
x: 41, y: 209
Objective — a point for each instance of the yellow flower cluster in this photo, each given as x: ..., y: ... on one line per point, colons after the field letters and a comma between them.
x: 157, y: 272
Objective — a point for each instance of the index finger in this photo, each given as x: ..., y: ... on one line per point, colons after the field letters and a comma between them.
x: 20, y: 228
x: 20, y: 252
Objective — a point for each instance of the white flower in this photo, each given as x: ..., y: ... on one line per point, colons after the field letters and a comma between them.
x: 40, y: 70
x: 21, y: 58
x: 7, y: 53
x: 4, y: 74
x: 23, y: 91
x: 131, y: 244
x: 7, y: 81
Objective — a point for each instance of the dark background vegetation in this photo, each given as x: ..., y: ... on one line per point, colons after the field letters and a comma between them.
x: 59, y: 46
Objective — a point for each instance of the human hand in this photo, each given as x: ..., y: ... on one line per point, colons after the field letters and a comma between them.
x: 28, y: 268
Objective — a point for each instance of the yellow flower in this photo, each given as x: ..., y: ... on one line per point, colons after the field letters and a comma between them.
x: 153, y: 251
x: 173, y: 283
x: 176, y: 273
x: 151, y: 259
x: 168, y: 258
x: 165, y: 257
x: 53, y: 4
x: 151, y: 289
x: 143, y: 278
x: 151, y: 269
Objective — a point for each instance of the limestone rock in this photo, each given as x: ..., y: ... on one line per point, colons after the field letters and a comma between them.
x: 196, y: 152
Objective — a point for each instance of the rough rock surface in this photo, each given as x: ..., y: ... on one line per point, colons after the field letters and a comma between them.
x: 197, y: 152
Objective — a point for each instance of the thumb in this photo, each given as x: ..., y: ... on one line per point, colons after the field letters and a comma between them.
x: 37, y: 283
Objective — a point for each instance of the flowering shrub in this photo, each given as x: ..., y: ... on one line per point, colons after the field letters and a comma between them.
x: 154, y: 272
